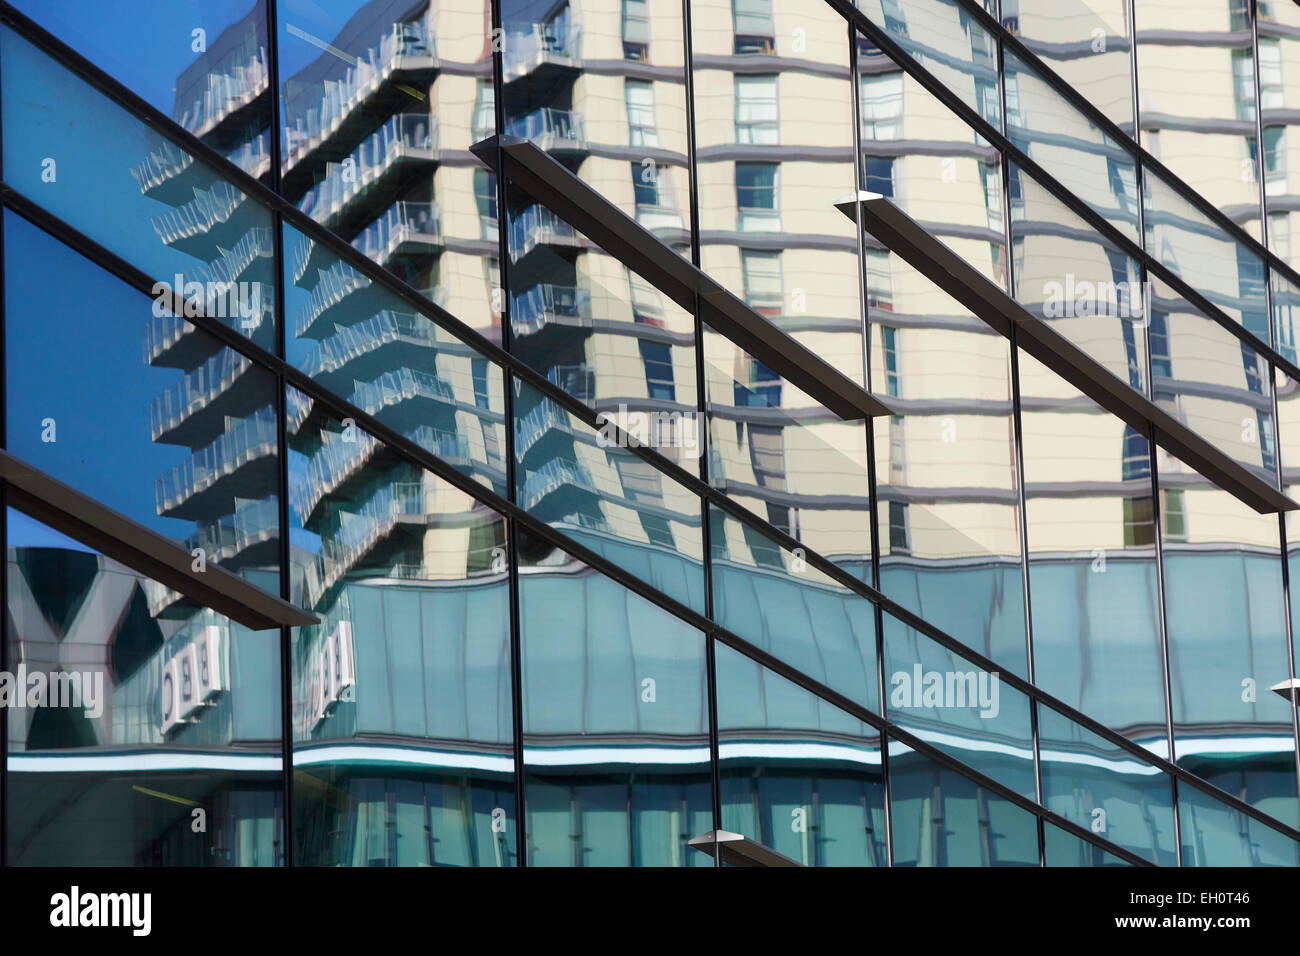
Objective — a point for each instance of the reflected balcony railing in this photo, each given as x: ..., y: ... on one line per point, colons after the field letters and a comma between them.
x: 404, y: 221
x: 345, y: 181
x: 226, y: 93
x: 338, y: 98
x: 547, y: 303
x: 556, y: 473
x: 542, y: 419
x: 162, y: 333
x: 578, y: 380
x: 352, y: 341
x: 248, y: 439
x: 537, y: 226
x: 208, y: 209
x: 528, y: 43
x: 336, y: 283
x: 549, y: 127
x: 254, y: 156
x: 236, y: 261
x: 654, y: 217
x: 192, y: 393
x: 253, y: 522
x: 398, y: 386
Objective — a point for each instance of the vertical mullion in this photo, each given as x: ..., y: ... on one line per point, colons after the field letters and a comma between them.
x: 702, y: 421
x: 497, y: 37
x: 1158, y: 538
x: 873, y: 517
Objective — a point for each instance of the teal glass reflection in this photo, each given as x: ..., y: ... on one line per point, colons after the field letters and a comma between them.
x: 774, y: 599
x: 1093, y: 783
x: 964, y: 710
x: 604, y: 496
x: 147, y: 716
x: 797, y: 775
x: 1216, y: 835
x: 940, y: 818
x: 616, y: 743
x: 1065, y: 849
x: 83, y: 158
x: 403, y: 740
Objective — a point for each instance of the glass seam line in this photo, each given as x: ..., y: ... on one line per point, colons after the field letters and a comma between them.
x: 1064, y: 195
x: 147, y: 113
x: 418, y: 455
x: 1128, y: 143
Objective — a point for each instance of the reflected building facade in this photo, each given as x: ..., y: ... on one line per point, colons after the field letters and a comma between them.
x: 588, y: 579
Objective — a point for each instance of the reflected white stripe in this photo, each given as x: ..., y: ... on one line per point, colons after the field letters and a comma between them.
x: 141, y: 762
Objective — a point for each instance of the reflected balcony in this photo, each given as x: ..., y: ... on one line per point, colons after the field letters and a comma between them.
x: 210, y: 223
x: 554, y: 130
x: 193, y: 411
x: 329, y: 121
x: 544, y: 53
x: 405, y: 229
x: 240, y: 463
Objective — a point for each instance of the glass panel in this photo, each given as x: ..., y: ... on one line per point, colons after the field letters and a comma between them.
x: 402, y: 696
x: 616, y: 742
x: 1199, y: 252
x: 1279, y: 102
x: 102, y: 171
x: 597, y: 330
x: 163, y: 424
x: 1201, y: 122
x: 1093, y: 586
x: 1215, y: 835
x: 775, y: 600
x: 201, y: 62
x: 1087, y: 43
x: 949, y: 43
x: 607, y: 498
x: 380, y: 105
x: 1227, y: 642
x: 1213, y: 382
x: 941, y: 818
x: 960, y: 708
x: 1061, y: 139
x: 1068, y: 274
x: 1091, y: 782
x: 368, y: 345
x: 130, y: 725
x: 1066, y: 849
x: 610, y: 107
x: 949, y: 508
x: 797, y: 774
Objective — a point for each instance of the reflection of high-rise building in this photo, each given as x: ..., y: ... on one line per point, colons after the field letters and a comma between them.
x: 566, y: 563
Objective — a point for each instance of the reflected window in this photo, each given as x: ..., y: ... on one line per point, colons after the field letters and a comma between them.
x: 636, y: 30
x: 640, y: 113
x: 757, y: 111
x: 762, y: 274
x: 756, y: 198
x: 752, y: 23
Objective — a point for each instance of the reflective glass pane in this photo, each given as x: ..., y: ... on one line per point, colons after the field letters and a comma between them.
x: 402, y: 696
x: 616, y: 742
x: 949, y: 43
x: 1227, y: 642
x: 1066, y: 849
x: 600, y: 332
x: 602, y: 88
x: 606, y: 497
x: 164, y: 424
x: 380, y: 104
x: 131, y: 724
x: 1201, y: 122
x: 1095, y: 784
x: 1204, y: 256
x: 1088, y: 43
x: 949, y: 508
x: 940, y: 818
x: 797, y: 774
x: 1279, y: 100
x: 201, y: 62
x: 1216, y: 835
x: 86, y: 160
x: 1095, y: 167
x: 774, y: 599
x: 1093, y: 587
x: 1066, y: 273
x: 1212, y: 381
x: 964, y: 710
x: 361, y: 341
